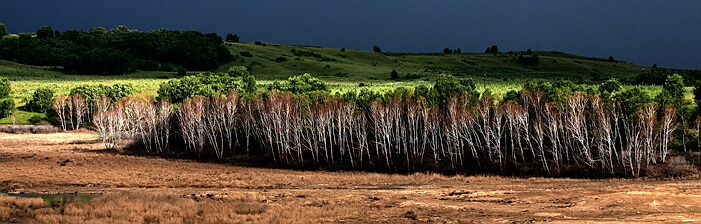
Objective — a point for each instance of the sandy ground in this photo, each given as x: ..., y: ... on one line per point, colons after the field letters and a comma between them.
x: 75, y: 162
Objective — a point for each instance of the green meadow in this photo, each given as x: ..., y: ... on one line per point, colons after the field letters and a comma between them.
x: 344, y: 70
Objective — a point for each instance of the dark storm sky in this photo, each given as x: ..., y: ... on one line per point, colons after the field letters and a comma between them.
x: 667, y: 33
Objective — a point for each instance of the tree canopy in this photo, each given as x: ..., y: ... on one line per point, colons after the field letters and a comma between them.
x: 117, y: 51
x: 3, y: 30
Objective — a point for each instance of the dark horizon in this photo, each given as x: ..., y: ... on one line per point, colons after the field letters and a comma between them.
x: 641, y: 32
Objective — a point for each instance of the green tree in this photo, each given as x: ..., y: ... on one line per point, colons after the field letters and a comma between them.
x: 697, y: 95
x: 394, y: 75
x: 45, y: 32
x: 610, y: 58
x: 301, y: 84
x: 182, y: 71
x: 232, y: 38
x: 7, y: 104
x: 529, y: 52
x: 236, y: 71
x: 7, y: 107
x: 5, y: 87
x: 494, y: 49
x: 447, y: 85
x: 674, y: 85
x: 41, y: 100
x: 609, y: 88
x: 376, y: 49
x: 119, y: 91
x: 633, y: 99
x: 3, y: 30
x: 249, y: 84
x: 204, y: 84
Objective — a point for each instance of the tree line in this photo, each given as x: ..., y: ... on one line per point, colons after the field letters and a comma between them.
x: 117, y: 51
x: 546, y: 128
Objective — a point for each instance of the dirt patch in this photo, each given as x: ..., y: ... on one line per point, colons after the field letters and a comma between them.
x: 150, y: 189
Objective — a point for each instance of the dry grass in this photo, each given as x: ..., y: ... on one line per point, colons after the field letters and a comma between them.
x: 21, y: 209
x: 674, y: 167
x: 130, y: 207
x: 24, y: 129
x: 143, y: 189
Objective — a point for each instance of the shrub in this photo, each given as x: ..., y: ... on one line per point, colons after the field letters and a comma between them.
x: 394, y: 75
x: 182, y: 72
x: 612, y: 85
x: 447, y: 85
x: 205, y: 84
x: 119, y: 91
x: 5, y: 87
x: 246, y: 54
x: 3, y: 30
x: 41, y: 100
x: 306, y: 53
x: 7, y: 104
x: 633, y: 99
x: 114, y: 92
x: 7, y: 107
x: 301, y: 84
x: 280, y: 59
x: 36, y: 119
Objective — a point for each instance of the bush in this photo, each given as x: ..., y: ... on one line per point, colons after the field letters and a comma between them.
x: 612, y: 85
x: 182, y: 71
x: 7, y: 104
x: 633, y: 99
x: 37, y: 118
x: 280, y: 59
x: 5, y: 87
x: 246, y: 54
x: 41, y: 100
x: 301, y: 84
x: 114, y: 92
x: 205, y: 84
x: 394, y: 75
x: 3, y: 30
x: 675, y: 167
x: 447, y: 85
x: 7, y: 107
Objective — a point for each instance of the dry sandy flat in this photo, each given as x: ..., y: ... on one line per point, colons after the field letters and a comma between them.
x: 76, y: 162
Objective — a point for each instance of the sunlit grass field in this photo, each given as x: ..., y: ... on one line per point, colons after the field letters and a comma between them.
x: 343, y: 71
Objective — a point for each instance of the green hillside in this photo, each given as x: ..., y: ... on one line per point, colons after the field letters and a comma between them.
x: 346, y: 69
x: 274, y: 61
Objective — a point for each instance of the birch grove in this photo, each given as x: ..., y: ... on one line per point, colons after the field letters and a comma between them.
x: 396, y: 134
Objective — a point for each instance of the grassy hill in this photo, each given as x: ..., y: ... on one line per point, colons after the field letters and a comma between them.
x: 342, y: 70
x: 346, y: 69
x: 275, y: 61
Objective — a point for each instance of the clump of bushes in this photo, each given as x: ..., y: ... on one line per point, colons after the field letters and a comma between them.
x: 300, y: 84
x: 41, y: 100
x: 246, y: 54
x: 208, y: 84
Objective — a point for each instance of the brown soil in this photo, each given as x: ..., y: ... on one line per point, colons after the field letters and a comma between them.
x: 141, y: 189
